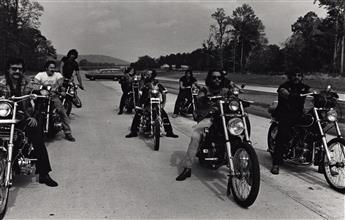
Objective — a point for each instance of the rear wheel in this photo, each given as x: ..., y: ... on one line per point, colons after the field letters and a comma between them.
x: 272, y: 137
x: 334, y: 170
x: 245, y: 184
x: 76, y: 102
x: 4, y: 190
x: 156, y: 134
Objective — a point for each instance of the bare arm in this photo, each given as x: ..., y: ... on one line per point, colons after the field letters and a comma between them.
x: 79, y: 79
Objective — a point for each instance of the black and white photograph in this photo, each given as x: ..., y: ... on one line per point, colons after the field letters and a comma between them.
x: 172, y: 109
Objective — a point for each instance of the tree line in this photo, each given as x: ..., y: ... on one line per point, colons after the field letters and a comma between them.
x: 20, y: 35
x: 237, y: 43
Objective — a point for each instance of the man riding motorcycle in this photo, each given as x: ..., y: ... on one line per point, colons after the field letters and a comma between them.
x: 288, y: 112
x: 144, y: 101
x: 213, y: 81
x: 16, y: 84
x: 125, y: 82
x: 185, y: 82
x: 55, y: 80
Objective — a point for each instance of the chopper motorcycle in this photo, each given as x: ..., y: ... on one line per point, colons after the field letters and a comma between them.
x: 226, y: 142
x: 134, y: 94
x: 308, y: 144
x: 71, y: 96
x: 16, y: 153
x: 187, y: 106
x: 151, y: 122
x: 52, y: 119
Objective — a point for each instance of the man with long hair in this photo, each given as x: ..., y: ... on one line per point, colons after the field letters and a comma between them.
x: 213, y: 81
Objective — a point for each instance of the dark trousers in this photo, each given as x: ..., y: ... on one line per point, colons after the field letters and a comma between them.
x: 166, y: 122
x: 35, y: 136
x: 183, y: 93
x: 283, y: 138
x: 123, y: 100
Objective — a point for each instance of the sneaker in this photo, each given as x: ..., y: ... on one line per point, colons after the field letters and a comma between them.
x: 69, y: 137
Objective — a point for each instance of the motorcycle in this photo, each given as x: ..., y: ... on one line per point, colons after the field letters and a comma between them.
x: 16, y: 153
x: 308, y: 144
x: 151, y: 122
x: 71, y: 96
x: 188, y: 104
x: 134, y: 94
x: 227, y: 142
x: 52, y: 119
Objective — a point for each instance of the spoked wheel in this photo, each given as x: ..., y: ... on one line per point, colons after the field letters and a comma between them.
x: 156, y: 134
x: 4, y: 190
x: 245, y: 184
x: 272, y: 137
x: 76, y: 102
x: 68, y: 107
x: 335, y: 169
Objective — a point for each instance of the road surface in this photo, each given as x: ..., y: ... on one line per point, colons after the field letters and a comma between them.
x: 105, y: 175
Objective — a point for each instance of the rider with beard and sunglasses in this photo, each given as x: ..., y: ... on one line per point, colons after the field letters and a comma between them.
x: 288, y: 112
x: 16, y: 84
x: 145, y: 100
x: 204, y: 107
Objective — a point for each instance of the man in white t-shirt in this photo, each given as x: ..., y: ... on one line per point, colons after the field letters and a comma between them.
x: 55, y: 80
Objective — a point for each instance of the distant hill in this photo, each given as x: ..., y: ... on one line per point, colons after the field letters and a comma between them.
x: 99, y: 59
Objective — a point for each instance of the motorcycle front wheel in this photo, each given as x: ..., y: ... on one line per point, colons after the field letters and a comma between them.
x: 68, y: 107
x: 156, y: 134
x: 4, y: 190
x: 245, y: 184
x: 272, y: 137
x: 335, y: 173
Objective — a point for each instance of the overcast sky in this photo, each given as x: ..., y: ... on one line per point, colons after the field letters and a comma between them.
x: 127, y: 29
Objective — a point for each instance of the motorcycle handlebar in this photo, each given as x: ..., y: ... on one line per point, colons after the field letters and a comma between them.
x: 20, y: 98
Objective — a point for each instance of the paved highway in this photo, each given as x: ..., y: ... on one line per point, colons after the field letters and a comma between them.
x: 105, y: 175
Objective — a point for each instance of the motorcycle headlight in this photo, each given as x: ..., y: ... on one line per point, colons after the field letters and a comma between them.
x: 332, y: 115
x: 44, y: 92
x: 234, y: 105
x: 235, y: 126
x: 236, y: 91
x: 71, y: 91
x: 154, y: 91
x: 5, y: 109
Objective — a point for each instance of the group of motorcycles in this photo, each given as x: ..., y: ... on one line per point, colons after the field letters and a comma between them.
x: 226, y: 142
x: 16, y: 152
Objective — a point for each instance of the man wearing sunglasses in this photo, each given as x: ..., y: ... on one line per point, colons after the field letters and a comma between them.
x: 16, y: 84
x: 204, y: 107
x: 288, y: 112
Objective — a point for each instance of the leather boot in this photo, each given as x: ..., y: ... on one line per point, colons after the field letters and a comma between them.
x: 275, y: 169
x: 187, y: 172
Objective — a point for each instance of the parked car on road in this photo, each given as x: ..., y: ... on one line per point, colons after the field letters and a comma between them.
x: 114, y: 74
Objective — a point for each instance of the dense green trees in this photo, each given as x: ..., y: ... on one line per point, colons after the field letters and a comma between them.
x: 20, y: 36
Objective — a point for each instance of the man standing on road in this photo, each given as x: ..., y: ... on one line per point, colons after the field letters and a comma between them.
x: 55, y: 80
x: 126, y: 86
x: 16, y: 84
x: 69, y: 66
x: 213, y: 82
x: 288, y: 112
